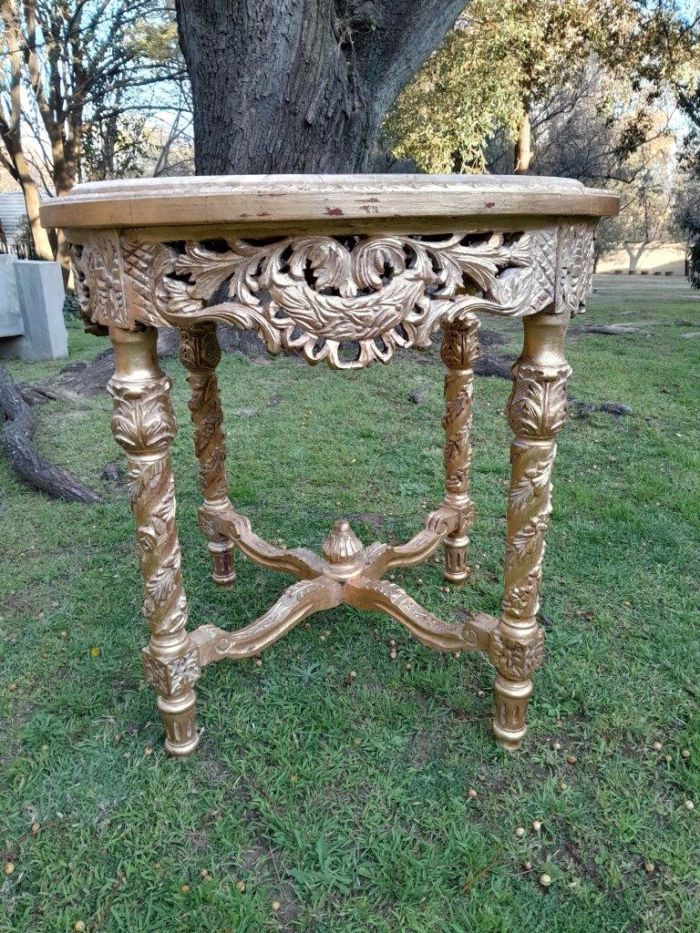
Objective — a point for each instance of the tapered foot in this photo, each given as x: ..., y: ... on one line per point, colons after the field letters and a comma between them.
x: 456, y: 568
x: 181, y: 733
x: 511, y: 707
x: 223, y: 573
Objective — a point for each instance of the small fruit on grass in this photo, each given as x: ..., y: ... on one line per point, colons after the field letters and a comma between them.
x: 685, y: 753
x: 545, y: 880
x: 689, y: 805
x: 527, y: 866
x: 240, y: 886
x: 258, y: 662
x: 9, y: 868
x: 563, y: 785
x: 35, y: 828
x: 556, y: 746
x: 472, y: 793
x: 520, y: 832
x: 185, y: 888
x: 79, y: 926
x: 276, y: 906
x: 657, y: 746
x: 649, y: 868
x: 536, y: 825
x: 571, y: 759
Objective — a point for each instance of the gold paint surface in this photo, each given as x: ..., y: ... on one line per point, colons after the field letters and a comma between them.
x: 311, y: 293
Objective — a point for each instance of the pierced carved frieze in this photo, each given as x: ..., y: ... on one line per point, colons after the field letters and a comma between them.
x: 322, y: 296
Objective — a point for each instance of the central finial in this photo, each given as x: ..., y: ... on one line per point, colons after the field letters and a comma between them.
x: 342, y: 549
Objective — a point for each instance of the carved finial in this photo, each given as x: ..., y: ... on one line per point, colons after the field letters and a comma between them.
x: 342, y: 549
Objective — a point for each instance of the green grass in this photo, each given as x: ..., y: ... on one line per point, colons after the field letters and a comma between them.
x: 348, y: 803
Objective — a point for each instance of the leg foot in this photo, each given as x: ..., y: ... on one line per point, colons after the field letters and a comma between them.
x: 181, y: 733
x: 511, y: 706
x: 224, y: 573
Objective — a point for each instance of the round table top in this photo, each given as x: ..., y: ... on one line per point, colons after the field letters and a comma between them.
x: 332, y: 199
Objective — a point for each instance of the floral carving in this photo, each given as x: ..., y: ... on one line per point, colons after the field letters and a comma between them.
x: 144, y: 424
x: 533, y: 483
x: 514, y: 659
x: 200, y: 354
x: 521, y: 601
x: 171, y: 675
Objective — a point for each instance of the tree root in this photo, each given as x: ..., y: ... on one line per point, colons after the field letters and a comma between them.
x: 16, y: 443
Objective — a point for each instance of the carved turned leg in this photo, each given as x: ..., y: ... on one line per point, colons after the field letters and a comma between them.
x: 460, y: 348
x: 200, y: 354
x: 144, y: 424
x: 536, y: 413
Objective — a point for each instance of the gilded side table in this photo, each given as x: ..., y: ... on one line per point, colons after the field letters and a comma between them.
x: 346, y: 270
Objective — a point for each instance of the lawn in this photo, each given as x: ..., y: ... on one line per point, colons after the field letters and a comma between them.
x: 320, y: 802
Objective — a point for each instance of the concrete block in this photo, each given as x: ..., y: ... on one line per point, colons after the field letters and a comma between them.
x: 11, y: 323
x: 40, y: 293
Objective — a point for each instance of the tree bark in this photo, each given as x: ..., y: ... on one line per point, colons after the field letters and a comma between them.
x: 301, y: 85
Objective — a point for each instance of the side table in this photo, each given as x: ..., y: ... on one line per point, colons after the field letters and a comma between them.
x: 346, y: 270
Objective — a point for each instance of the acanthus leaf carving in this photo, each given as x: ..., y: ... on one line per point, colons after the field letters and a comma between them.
x: 97, y: 268
x: 537, y: 403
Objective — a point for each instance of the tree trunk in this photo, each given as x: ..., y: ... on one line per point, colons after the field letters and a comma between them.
x: 40, y: 237
x: 634, y: 256
x: 301, y: 85
x: 523, y: 146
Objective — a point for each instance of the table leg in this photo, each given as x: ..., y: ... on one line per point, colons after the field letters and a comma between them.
x: 460, y: 348
x: 144, y: 424
x: 200, y: 354
x: 536, y: 413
